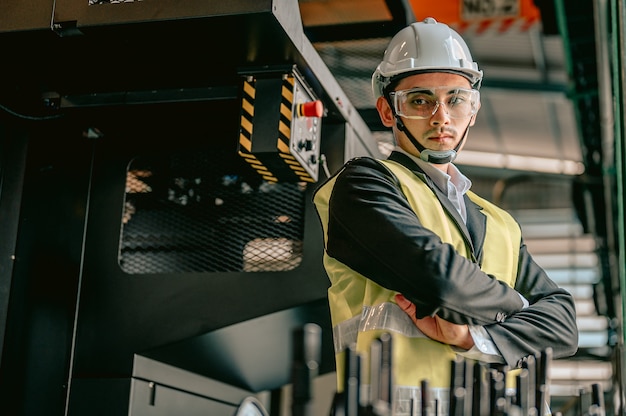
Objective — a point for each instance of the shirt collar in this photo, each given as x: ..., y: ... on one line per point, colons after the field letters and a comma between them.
x: 461, y: 182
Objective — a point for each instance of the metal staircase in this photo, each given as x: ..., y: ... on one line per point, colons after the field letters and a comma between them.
x: 559, y: 244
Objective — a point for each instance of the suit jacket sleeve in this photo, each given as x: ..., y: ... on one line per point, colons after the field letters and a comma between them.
x: 373, y: 230
x: 549, y: 321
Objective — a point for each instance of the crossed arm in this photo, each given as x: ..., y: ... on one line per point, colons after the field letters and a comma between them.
x: 446, y: 291
x: 436, y: 328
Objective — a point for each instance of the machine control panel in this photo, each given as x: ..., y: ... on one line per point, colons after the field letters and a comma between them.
x: 306, y: 126
x: 280, y: 130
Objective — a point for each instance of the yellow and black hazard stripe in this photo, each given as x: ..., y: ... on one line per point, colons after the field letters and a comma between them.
x: 284, y: 130
x: 245, y: 131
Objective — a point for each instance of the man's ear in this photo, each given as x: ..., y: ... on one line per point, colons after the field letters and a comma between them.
x: 385, y: 112
x: 473, y: 119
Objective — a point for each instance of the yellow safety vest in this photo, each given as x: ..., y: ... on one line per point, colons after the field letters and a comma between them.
x: 362, y: 310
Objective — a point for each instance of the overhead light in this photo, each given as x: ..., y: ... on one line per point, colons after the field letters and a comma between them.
x: 517, y: 162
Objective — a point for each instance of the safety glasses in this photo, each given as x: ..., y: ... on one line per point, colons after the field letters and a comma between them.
x: 423, y: 103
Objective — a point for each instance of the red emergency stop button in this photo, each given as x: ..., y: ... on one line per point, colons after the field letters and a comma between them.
x: 311, y: 109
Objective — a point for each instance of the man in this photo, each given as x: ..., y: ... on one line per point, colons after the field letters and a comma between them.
x: 411, y: 251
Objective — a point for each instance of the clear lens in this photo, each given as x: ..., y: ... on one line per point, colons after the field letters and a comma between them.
x: 422, y: 103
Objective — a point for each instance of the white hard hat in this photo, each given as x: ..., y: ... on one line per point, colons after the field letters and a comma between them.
x: 426, y: 46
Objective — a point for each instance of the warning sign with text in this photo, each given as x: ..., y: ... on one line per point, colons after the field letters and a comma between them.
x: 489, y: 9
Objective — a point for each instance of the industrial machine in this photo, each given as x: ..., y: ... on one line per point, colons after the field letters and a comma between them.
x: 159, y: 245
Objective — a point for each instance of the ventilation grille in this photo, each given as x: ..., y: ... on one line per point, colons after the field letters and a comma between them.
x: 208, y: 212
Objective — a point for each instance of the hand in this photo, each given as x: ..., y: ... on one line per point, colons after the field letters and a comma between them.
x: 437, y: 328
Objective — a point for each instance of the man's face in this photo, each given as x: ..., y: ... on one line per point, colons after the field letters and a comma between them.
x: 435, y: 109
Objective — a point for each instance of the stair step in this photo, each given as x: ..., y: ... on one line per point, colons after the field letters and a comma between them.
x: 563, y: 370
x: 579, y: 291
x: 544, y: 215
x: 583, y: 243
x: 574, y: 276
x: 551, y: 230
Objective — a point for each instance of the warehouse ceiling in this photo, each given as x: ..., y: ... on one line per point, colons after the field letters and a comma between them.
x: 527, y: 121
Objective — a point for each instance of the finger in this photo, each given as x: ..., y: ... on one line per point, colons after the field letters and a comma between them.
x: 402, y: 301
x: 405, y: 304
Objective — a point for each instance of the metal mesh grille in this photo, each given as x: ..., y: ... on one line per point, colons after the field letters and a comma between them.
x: 208, y: 212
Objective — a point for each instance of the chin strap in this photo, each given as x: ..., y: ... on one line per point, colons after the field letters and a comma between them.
x: 438, y: 157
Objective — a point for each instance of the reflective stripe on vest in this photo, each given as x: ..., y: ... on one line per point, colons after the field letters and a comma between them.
x: 386, y: 316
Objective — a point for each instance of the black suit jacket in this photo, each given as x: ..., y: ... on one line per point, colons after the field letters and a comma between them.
x: 373, y: 230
